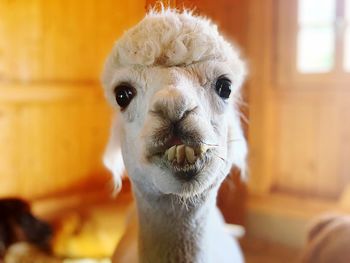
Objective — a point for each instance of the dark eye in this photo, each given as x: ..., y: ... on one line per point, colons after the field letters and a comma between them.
x: 124, y: 94
x: 223, y: 87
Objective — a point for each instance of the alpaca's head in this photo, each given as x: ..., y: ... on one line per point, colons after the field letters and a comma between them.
x: 175, y: 81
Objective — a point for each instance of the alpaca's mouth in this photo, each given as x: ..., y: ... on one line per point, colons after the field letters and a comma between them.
x: 183, y: 154
x: 183, y: 160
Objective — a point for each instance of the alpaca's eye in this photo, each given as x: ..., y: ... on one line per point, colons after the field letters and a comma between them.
x: 124, y: 94
x: 223, y: 87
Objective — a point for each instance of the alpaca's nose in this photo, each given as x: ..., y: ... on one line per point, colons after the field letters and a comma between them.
x: 172, y: 104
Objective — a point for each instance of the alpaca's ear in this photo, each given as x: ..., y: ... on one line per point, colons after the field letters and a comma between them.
x: 112, y: 158
x: 237, y: 145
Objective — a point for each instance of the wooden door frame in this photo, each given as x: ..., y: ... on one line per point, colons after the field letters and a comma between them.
x: 262, y: 117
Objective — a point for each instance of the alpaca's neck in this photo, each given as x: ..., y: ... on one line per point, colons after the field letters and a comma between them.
x: 171, y: 231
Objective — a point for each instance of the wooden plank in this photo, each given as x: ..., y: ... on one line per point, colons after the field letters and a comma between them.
x: 262, y: 112
x: 296, y: 148
x: 312, y: 146
x: 47, y: 92
x: 54, y: 144
x: 61, y: 40
x: 230, y: 15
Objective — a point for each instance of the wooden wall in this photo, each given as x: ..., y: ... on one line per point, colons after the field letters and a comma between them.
x: 54, y: 121
x: 61, y: 40
x: 299, y: 139
x: 230, y: 15
x: 312, y: 147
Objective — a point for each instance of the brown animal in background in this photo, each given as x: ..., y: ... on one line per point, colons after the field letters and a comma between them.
x: 18, y: 224
x: 328, y: 240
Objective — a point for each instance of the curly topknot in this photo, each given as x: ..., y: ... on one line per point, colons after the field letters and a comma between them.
x: 170, y: 38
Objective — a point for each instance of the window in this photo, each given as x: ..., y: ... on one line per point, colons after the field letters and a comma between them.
x: 314, y: 41
x: 316, y: 36
x: 347, y: 37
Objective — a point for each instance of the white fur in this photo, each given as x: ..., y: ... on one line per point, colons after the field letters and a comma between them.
x: 173, y: 59
x: 113, y: 155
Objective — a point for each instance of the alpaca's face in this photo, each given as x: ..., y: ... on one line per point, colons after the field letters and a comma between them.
x: 177, y: 124
x: 176, y: 82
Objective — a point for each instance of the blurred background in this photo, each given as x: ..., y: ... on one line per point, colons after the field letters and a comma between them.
x: 54, y: 121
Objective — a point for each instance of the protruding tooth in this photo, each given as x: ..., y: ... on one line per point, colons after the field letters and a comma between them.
x: 191, y: 158
x: 171, y: 153
x: 180, y: 154
x: 203, y: 148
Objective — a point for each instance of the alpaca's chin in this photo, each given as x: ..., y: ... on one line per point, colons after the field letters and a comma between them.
x: 187, y: 180
x: 170, y: 185
x: 189, y: 189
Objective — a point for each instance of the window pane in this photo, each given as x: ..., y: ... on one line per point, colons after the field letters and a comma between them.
x: 312, y: 12
x: 347, y: 50
x: 315, y: 49
x: 347, y: 10
x: 347, y: 37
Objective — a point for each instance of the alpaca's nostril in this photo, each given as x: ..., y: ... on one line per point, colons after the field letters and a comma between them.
x: 188, y: 112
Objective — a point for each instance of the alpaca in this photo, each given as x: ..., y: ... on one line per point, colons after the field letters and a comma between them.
x: 328, y: 240
x: 175, y: 82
